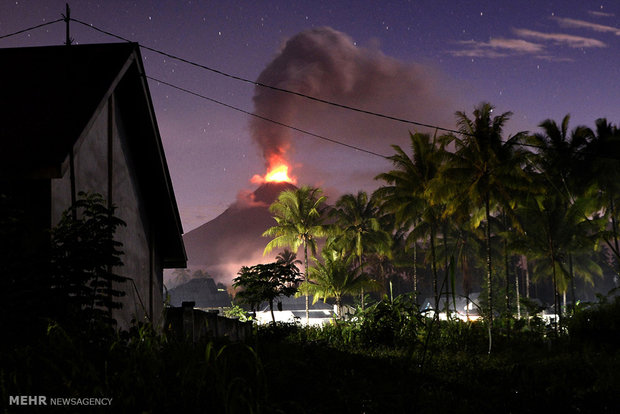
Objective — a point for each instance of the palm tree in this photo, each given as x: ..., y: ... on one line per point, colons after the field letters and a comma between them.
x: 482, y: 173
x: 559, y: 241
x: 560, y: 155
x: 405, y: 257
x: 337, y: 276
x: 561, y: 162
x: 288, y: 257
x: 358, y: 228
x: 407, y: 194
x: 299, y: 214
x: 602, y: 173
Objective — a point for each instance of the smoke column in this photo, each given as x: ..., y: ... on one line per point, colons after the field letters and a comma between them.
x: 326, y: 64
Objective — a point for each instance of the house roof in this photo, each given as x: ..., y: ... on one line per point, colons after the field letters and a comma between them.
x: 292, y: 303
x: 49, y: 97
x: 461, y: 302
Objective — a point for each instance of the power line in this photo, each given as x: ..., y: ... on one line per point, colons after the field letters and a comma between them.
x: 333, y: 141
x: 222, y: 73
x: 30, y: 28
x: 275, y: 88
x: 65, y: 18
x: 312, y: 98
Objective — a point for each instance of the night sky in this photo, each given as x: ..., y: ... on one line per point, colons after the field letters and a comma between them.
x: 418, y: 60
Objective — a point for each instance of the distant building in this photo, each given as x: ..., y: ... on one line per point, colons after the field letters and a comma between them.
x: 294, y: 310
x: 202, y: 291
x: 80, y: 118
x: 461, y: 307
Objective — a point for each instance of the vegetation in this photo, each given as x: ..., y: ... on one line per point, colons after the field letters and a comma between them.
x: 389, y: 358
x: 299, y: 214
x: 334, y: 278
x: 71, y: 280
x: 266, y: 282
x: 472, y: 207
x: 358, y: 230
x: 83, y: 256
x: 475, y: 211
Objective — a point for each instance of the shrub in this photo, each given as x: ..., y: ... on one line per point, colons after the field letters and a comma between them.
x: 598, y: 324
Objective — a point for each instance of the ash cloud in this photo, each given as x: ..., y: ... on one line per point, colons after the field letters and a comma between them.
x: 326, y: 64
x: 246, y: 199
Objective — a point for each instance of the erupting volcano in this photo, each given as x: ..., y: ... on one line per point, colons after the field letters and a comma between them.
x: 277, y: 172
x: 234, y: 238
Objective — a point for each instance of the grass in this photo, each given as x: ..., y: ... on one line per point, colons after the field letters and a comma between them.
x: 387, y: 379
x: 355, y: 367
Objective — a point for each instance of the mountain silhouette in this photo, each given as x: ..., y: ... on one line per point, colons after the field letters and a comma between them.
x: 234, y: 238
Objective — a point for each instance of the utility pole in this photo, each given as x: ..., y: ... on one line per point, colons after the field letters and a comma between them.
x: 67, y: 19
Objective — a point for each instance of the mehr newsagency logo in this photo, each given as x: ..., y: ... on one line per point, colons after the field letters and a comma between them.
x: 41, y: 400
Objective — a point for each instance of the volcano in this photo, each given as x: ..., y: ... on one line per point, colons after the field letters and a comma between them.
x: 234, y: 238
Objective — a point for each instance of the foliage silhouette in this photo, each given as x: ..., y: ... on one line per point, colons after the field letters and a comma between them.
x: 336, y: 277
x: 266, y: 282
x: 84, y: 287
x: 299, y: 215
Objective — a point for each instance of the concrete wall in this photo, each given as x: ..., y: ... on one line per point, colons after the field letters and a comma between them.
x: 143, y: 300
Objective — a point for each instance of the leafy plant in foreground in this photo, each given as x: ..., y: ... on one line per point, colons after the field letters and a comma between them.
x: 83, y: 256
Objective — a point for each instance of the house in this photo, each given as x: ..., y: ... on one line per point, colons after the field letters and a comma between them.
x: 80, y: 118
x: 293, y: 309
x: 466, y: 308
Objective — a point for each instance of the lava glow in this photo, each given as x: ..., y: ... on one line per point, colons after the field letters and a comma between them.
x: 275, y: 174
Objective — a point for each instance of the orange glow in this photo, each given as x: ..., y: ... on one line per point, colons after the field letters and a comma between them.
x: 276, y: 173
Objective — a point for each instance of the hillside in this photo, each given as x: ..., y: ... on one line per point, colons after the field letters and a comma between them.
x: 233, y: 239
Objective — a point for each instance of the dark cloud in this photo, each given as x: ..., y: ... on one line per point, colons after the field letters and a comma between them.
x: 327, y: 64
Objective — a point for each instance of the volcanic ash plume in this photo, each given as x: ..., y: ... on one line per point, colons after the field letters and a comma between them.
x: 326, y: 64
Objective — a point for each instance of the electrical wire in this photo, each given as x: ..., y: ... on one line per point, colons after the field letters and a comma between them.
x: 312, y: 98
x: 238, y: 78
x: 31, y: 28
x: 275, y: 88
x: 327, y: 139
x: 324, y: 138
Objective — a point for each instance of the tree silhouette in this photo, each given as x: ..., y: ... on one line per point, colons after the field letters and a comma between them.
x: 358, y: 229
x: 601, y: 174
x: 266, y: 282
x: 288, y: 257
x: 336, y: 276
x: 408, y: 194
x: 299, y: 215
x: 482, y: 173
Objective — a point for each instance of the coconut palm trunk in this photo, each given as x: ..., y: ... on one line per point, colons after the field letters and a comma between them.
x: 556, y: 299
x: 339, y: 307
x: 518, y: 294
x: 445, y: 264
x: 306, y: 280
x: 487, y: 208
x: 572, y: 282
x: 415, y: 272
x: 434, y: 266
x: 507, y: 293
x: 273, y: 318
x: 362, y: 291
